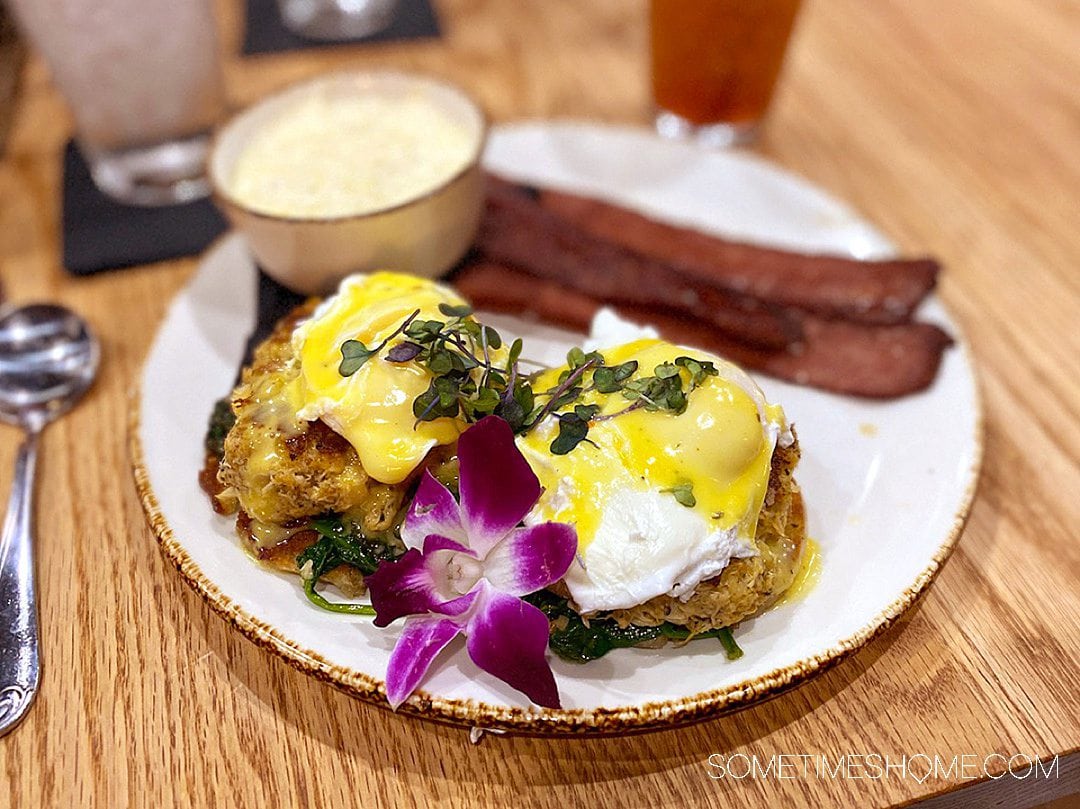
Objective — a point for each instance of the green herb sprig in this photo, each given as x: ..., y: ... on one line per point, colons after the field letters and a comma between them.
x: 354, y: 353
x: 662, y: 391
x: 467, y: 383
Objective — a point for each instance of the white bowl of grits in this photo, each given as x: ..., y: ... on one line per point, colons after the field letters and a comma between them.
x: 352, y: 172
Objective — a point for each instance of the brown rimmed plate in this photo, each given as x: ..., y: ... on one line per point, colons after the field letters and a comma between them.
x: 888, y: 485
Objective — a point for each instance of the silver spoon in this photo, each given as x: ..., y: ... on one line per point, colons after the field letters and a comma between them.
x: 48, y: 358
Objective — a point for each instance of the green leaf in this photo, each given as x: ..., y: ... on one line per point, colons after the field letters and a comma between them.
x: 515, y: 353
x: 676, y: 401
x: 566, y: 397
x: 424, y: 331
x: 423, y: 406
x: 464, y: 362
x: 471, y: 328
x: 485, y: 402
x: 494, y: 341
x: 586, y: 412
x: 666, y: 371
x: 525, y: 396
x: 365, y: 553
x: 353, y: 355
x: 572, y: 431
x: 511, y: 411
x: 316, y: 598
x: 604, y: 380
x: 441, y: 362
x: 440, y: 400
x: 683, y: 494
x: 571, y: 639
x: 699, y: 369
x: 448, y: 388
x: 516, y: 408
x: 458, y: 311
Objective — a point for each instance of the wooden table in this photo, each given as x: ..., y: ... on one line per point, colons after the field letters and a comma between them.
x: 954, y: 126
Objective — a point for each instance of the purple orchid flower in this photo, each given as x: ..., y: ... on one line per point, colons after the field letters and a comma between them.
x: 467, y: 566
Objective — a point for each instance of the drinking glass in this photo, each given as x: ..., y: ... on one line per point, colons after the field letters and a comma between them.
x: 337, y: 19
x: 143, y: 80
x: 715, y: 64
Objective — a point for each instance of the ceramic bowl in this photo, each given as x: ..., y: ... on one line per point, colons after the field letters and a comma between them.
x: 424, y: 235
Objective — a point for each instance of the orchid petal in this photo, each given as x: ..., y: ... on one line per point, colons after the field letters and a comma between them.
x: 498, y: 487
x: 433, y: 511
x: 409, y: 586
x: 421, y: 640
x: 437, y: 542
x: 508, y: 639
x: 531, y: 558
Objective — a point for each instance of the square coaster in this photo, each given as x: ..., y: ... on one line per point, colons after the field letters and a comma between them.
x: 265, y: 33
x: 101, y: 234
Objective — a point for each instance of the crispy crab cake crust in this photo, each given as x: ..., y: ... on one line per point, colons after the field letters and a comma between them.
x: 281, y: 468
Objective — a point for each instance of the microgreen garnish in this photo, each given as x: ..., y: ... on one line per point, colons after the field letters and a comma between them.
x: 459, y: 311
x: 403, y: 352
x: 452, y: 351
x: 572, y: 431
x: 610, y: 379
x: 683, y: 494
x: 468, y: 382
x: 354, y: 353
x: 699, y: 369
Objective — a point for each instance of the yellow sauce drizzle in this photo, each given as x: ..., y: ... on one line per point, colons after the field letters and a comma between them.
x: 807, y: 577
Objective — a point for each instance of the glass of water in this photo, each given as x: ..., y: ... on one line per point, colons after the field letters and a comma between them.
x: 143, y: 79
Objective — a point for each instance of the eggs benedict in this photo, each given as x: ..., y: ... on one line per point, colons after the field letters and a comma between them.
x: 668, y: 497
x: 673, y: 469
x: 310, y: 438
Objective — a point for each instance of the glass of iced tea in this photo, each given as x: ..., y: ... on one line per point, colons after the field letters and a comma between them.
x: 715, y: 64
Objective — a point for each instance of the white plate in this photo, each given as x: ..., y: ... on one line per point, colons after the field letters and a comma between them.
x: 887, y: 485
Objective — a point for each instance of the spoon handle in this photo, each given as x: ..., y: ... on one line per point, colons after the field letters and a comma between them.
x: 19, y: 665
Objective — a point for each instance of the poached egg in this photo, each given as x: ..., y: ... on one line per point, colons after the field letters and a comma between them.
x: 636, y: 539
x: 373, y: 408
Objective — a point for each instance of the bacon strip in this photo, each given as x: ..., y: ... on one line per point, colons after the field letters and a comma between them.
x: 832, y: 286
x: 515, y: 231
x: 873, y: 361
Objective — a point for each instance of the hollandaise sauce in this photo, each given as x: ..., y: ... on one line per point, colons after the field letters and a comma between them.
x: 718, y: 449
x: 371, y: 408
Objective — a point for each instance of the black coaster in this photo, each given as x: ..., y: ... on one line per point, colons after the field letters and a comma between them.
x: 100, y: 234
x: 265, y: 33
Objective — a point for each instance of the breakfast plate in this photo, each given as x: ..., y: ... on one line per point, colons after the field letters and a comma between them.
x: 887, y: 485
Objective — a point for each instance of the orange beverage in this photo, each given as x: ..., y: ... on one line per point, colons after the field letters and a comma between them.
x: 715, y: 64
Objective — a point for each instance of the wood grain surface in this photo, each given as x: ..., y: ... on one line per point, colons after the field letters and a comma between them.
x: 955, y: 126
